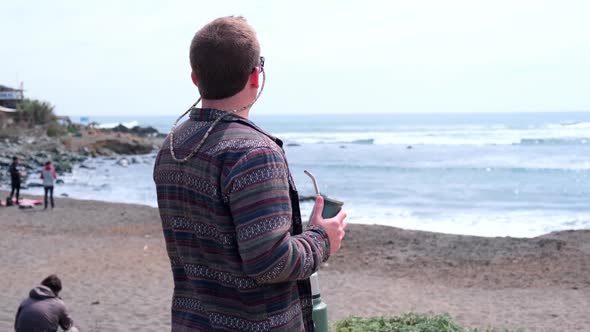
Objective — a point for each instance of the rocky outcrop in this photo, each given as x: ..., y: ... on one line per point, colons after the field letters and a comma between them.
x: 113, y: 146
x: 137, y: 130
x: 31, y: 160
x: 34, y: 148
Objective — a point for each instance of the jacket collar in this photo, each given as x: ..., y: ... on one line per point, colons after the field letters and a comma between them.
x: 211, y: 114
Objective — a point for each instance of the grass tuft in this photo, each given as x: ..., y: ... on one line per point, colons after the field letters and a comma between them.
x: 405, y: 323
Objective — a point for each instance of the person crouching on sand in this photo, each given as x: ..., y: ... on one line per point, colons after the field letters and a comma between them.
x: 44, y: 310
x: 48, y: 174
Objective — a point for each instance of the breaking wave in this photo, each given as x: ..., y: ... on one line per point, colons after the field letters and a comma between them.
x: 560, y: 134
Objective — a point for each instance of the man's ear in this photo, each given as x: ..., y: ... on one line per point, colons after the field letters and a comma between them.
x: 254, y: 78
x: 194, y: 78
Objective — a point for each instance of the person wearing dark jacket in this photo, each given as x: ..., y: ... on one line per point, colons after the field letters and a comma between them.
x: 14, y: 178
x: 44, y: 310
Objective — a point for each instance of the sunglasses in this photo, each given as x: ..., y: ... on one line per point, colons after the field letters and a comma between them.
x: 261, y: 64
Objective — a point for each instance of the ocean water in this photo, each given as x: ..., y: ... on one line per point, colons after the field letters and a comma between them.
x: 504, y: 174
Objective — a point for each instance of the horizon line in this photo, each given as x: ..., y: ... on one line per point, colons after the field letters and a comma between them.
x: 345, y: 113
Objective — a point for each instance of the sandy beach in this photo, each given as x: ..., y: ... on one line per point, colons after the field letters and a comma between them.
x: 116, y: 276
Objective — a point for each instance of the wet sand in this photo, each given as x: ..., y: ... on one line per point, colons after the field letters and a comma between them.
x: 116, y: 276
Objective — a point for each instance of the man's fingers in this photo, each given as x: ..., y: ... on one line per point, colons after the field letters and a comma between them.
x: 319, y: 205
x: 316, y: 213
x: 341, y: 214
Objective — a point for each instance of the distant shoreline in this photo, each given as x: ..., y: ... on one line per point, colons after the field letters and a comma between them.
x: 36, y: 193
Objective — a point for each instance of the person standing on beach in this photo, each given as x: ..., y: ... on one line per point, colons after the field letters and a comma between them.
x: 48, y: 174
x: 15, y: 177
x: 44, y: 310
x: 240, y: 256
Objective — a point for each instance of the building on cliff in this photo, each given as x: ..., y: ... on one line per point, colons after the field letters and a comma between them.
x: 9, y: 98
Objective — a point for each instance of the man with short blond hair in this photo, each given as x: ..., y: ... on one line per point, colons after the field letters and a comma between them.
x: 240, y: 257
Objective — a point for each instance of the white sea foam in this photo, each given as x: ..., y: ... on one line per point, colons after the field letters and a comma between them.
x: 529, y: 223
x: 573, y: 125
x: 111, y: 125
x: 437, y: 138
x: 110, y: 182
x: 489, y: 136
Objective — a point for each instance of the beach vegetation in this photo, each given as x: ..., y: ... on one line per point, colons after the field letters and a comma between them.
x: 410, y: 322
x: 35, y: 112
x: 55, y: 130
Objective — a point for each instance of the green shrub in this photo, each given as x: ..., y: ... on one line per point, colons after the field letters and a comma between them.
x: 405, y: 323
x: 54, y: 130
x: 34, y: 112
x: 73, y: 130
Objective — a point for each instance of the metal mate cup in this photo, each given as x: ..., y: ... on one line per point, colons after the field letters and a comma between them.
x: 331, y: 206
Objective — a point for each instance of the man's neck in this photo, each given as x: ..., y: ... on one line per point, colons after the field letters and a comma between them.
x: 228, y: 105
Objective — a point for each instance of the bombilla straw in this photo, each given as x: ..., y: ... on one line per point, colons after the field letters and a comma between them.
x: 315, y: 185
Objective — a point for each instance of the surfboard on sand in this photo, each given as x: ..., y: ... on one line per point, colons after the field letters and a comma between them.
x: 24, y: 202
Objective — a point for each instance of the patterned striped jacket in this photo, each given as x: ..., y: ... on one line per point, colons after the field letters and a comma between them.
x: 232, y: 225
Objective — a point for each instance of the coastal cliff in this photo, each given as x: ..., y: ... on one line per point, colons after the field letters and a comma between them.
x: 34, y: 147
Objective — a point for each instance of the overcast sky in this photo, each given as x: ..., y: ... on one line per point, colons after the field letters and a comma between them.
x: 131, y: 57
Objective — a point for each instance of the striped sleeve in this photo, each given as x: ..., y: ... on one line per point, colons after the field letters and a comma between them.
x: 258, y: 192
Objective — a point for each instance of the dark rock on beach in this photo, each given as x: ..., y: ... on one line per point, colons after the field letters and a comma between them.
x: 110, y: 146
x: 141, y: 131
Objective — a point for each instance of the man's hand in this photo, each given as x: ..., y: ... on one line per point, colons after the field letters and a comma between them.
x: 333, y: 226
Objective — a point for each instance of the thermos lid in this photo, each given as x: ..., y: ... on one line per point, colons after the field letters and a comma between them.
x: 315, y: 285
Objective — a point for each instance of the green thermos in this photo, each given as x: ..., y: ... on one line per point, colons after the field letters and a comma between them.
x: 320, y: 309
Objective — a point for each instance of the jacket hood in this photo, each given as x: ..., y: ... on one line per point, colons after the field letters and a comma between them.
x: 41, y: 293
x: 48, y: 167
